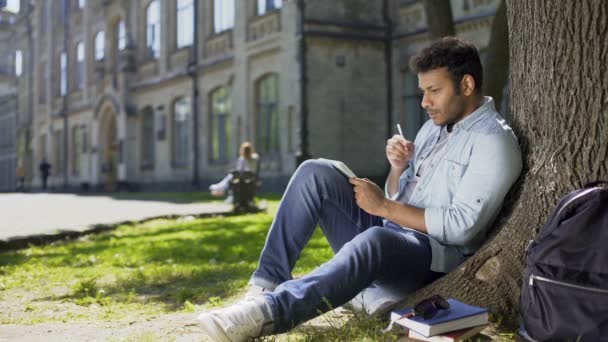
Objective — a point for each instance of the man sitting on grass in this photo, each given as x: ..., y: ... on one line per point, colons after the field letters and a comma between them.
x: 443, y: 192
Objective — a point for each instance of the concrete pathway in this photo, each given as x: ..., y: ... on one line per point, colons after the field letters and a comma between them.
x: 24, y: 215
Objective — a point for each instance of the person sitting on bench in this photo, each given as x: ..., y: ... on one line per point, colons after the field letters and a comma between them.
x: 248, y: 161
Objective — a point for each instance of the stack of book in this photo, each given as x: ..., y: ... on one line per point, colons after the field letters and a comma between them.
x: 458, y: 323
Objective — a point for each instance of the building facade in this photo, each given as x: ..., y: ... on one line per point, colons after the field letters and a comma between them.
x: 160, y: 93
x: 8, y: 101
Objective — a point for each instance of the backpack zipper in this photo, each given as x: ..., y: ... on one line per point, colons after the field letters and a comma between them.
x: 575, y: 198
x: 579, y: 287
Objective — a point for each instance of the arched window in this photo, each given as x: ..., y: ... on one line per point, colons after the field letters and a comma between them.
x: 221, y: 125
x: 121, y: 35
x: 100, y: 45
x: 223, y: 15
x: 267, y: 123
x: 185, y: 23
x: 153, y: 30
x: 181, y: 131
x: 147, y: 141
x: 268, y: 5
x: 79, y: 65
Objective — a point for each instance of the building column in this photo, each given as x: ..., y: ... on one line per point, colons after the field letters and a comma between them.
x: 94, y: 155
x: 121, y: 128
x: 240, y: 95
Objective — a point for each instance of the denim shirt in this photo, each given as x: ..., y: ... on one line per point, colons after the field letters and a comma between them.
x: 464, y: 192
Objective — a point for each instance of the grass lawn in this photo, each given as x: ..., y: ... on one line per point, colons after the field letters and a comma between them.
x: 149, y: 269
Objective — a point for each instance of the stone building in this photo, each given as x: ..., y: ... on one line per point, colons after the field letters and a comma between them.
x: 128, y: 93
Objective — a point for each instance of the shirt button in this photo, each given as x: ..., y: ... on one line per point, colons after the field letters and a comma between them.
x: 419, y: 189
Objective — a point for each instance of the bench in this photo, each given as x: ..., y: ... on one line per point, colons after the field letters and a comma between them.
x: 244, y: 186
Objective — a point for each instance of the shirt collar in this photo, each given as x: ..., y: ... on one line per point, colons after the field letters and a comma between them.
x: 487, y: 106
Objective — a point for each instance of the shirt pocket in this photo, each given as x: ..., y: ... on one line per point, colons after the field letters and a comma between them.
x: 456, y: 171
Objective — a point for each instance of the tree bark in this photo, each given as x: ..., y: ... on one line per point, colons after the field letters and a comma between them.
x: 496, y: 66
x: 439, y: 18
x: 559, y: 106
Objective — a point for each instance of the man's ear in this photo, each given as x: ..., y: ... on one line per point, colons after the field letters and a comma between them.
x: 467, y: 85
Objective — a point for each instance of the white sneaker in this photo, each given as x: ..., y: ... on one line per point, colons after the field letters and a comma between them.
x: 255, y: 291
x: 239, y: 322
x: 374, y: 300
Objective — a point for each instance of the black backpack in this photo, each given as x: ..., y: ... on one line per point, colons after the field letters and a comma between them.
x: 564, y: 295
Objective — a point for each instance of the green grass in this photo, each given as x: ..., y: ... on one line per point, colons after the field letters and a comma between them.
x: 157, y: 267
x: 141, y: 270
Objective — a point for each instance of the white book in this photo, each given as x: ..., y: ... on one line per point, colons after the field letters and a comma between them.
x: 340, y: 166
x: 453, y: 336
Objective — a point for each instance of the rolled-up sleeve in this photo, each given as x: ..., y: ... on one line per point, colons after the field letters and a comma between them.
x: 494, y: 166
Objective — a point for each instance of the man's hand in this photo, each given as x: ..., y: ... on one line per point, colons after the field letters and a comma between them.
x: 399, y: 151
x: 369, y: 196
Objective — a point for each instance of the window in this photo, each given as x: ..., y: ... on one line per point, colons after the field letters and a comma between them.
x: 64, y: 74
x: 185, y: 23
x: 181, y: 135
x: 221, y: 127
x: 223, y: 15
x: 121, y: 36
x: 153, y: 30
x: 147, y: 155
x: 81, y: 3
x: 79, y: 65
x: 267, y: 125
x: 77, y: 142
x: 18, y: 63
x: 100, y: 44
x: 414, y: 116
x: 12, y: 5
x: 268, y: 5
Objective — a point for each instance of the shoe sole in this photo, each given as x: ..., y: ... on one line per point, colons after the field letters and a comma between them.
x: 213, y: 329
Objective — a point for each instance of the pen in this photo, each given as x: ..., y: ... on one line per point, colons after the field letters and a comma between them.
x: 399, y: 129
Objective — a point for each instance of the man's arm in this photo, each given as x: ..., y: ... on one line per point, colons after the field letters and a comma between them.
x: 399, y: 151
x: 371, y: 198
x: 392, y: 182
x: 404, y: 215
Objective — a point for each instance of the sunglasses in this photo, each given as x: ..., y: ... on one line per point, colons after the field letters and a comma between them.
x: 426, y: 308
x: 429, y: 307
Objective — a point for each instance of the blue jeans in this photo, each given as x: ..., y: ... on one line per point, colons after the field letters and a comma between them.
x: 366, y: 250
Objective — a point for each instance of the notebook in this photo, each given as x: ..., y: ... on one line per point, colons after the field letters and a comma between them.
x: 340, y: 166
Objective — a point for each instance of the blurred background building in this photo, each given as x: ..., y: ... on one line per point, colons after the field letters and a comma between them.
x: 159, y: 94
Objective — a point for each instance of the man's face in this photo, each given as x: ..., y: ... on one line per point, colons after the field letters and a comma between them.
x: 440, y: 100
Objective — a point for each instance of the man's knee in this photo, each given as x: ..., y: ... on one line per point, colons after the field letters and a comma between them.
x: 313, y: 167
x: 374, y: 237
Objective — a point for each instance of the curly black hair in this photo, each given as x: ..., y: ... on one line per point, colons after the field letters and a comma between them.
x: 459, y: 56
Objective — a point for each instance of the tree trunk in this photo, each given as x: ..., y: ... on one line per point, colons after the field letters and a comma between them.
x: 439, y: 18
x: 559, y: 101
x: 496, y: 66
